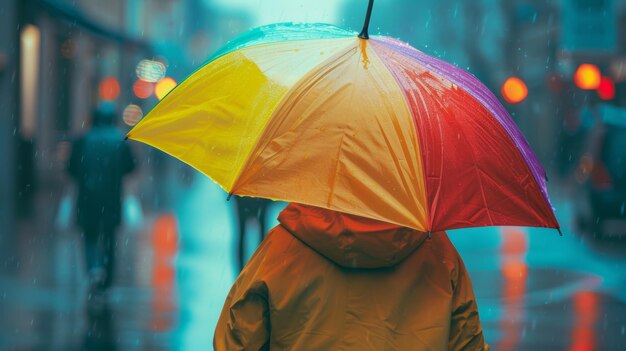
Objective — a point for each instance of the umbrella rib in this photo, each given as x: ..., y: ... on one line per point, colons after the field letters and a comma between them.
x: 480, y: 181
x: 334, y: 178
x: 343, y: 135
x: 418, y: 145
x: 475, y: 164
x: 441, y: 173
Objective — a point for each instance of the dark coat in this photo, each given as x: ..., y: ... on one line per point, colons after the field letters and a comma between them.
x: 98, y: 162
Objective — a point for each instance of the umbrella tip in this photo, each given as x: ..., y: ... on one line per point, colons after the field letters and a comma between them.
x: 126, y: 138
x: 559, y: 230
x: 229, y: 196
x: 430, y: 235
x: 364, y: 32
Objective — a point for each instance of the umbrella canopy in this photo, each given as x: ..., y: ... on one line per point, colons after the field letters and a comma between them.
x: 314, y: 114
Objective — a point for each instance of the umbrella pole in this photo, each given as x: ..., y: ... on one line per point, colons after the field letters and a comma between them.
x: 364, y: 32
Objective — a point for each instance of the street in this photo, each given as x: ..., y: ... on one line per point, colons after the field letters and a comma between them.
x: 535, y: 289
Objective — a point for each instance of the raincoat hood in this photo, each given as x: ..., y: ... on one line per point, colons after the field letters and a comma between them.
x: 350, y: 241
x: 299, y: 290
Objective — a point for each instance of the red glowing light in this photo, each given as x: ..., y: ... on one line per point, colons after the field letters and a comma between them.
x: 109, y: 89
x: 165, y: 236
x: 515, y: 270
x: 516, y: 242
x: 515, y: 273
x: 586, y: 319
x: 606, y: 89
x: 165, y: 245
x: 143, y: 89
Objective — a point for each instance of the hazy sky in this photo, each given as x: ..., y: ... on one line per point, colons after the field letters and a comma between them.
x: 269, y: 11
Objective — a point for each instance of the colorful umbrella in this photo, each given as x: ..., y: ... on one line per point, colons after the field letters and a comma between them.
x: 315, y: 114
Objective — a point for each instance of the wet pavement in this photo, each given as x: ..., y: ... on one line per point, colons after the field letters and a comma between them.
x: 535, y: 289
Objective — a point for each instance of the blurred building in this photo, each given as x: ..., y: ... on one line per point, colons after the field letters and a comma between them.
x: 540, y: 41
x: 61, y: 59
x: 8, y: 113
x: 60, y: 52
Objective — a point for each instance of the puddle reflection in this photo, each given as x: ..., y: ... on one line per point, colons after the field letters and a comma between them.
x: 100, y: 332
x: 515, y: 273
x: 586, y: 316
x: 165, y: 246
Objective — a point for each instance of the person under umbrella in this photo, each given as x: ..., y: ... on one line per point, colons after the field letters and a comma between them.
x: 325, y: 280
x: 378, y: 147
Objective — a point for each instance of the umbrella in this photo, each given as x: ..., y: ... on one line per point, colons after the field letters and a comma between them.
x: 314, y: 114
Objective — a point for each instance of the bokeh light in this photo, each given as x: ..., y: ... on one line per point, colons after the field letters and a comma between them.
x: 143, y: 89
x: 514, y: 90
x: 109, y: 89
x: 165, y: 237
x: 29, y: 78
x: 587, y: 76
x: 132, y: 114
x: 515, y: 269
x: 606, y: 89
x: 163, y: 87
x: 150, y: 71
x: 585, y: 319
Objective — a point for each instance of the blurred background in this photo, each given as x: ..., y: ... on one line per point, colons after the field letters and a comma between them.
x: 558, y: 66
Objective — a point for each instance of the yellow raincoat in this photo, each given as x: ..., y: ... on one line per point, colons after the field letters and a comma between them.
x: 323, y: 280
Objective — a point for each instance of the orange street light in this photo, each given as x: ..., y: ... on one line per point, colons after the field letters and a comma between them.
x: 587, y: 76
x: 514, y: 90
x: 163, y: 87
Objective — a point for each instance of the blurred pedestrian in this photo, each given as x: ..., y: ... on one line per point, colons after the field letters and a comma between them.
x: 324, y: 280
x: 99, y: 334
x: 98, y: 162
x: 249, y: 209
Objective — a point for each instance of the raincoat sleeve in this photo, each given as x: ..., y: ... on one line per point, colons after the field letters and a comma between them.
x: 466, y: 332
x: 244, y: 321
